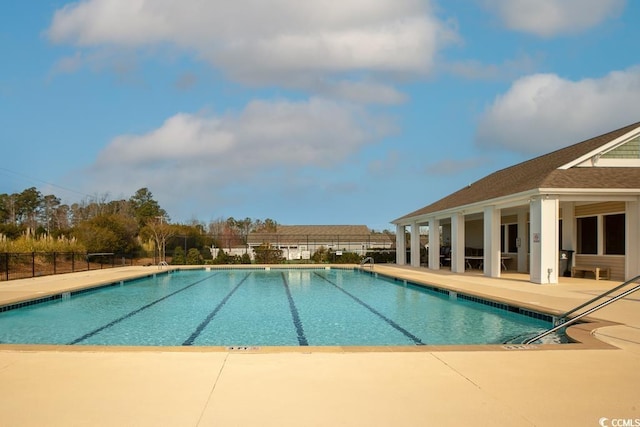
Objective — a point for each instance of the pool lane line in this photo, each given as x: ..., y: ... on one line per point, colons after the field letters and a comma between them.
x: 207, y: 320
x: 393, y: 324
x: 126, y: 316
x: 302, y: 339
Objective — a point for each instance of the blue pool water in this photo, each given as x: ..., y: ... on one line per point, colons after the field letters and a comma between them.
x: 287, y: 307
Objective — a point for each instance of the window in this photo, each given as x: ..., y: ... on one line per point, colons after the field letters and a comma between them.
x: 513, y: 238
x: 611, y: 234
x: 614, y: 239
x: 560, y: 235
x: 587, y: 235
x: 508, y: 238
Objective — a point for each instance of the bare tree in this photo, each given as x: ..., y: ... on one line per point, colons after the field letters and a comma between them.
x: 160, y: 231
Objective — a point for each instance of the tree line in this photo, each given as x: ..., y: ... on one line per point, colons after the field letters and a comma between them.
x: 124, y: 226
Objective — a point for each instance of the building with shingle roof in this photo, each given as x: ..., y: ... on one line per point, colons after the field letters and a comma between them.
x: 581, y: 200
x: 301, y: 241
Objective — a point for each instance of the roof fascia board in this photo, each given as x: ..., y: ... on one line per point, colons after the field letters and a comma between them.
x: 520, y: 199
x: 618, y: 163
x: 594, y: 194
x: 504, y: 202
x: 605, y: 147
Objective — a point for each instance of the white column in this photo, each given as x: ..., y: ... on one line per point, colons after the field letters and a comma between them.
x: 401, y: 249
x: 492, y: 241
x: 415, y: 244
x: 569, y: 237
x: 568, y: 226
x: 457, y: 243
x: 632, y: 240
x: 544, y: 240
x: 523, y: 242
x: 434, y: 244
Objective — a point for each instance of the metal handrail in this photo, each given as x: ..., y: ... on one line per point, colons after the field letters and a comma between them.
x: 610, y: 291
x: 367, y: 259
x: 563, y: 323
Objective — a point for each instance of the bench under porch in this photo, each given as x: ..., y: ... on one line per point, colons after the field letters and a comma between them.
x: 599, y: 272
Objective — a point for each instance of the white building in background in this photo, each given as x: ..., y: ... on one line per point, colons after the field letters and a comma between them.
x: 300, y: 242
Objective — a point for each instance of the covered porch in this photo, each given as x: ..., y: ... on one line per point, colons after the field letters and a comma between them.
x: 539, y: 234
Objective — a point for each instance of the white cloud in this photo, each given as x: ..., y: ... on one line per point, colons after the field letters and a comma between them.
x: 280, y: 41
x: 547, y: 18
x: 124, y: 65
x: 266, y: 134
x: 509, y: 69
x: 543, y: 112
x: 361, y: 92
x: 195, y: 153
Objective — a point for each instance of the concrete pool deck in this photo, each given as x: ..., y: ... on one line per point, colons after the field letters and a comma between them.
x: 537, y: 386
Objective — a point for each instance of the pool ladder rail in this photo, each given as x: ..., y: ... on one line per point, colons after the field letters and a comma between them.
x: 563, y: 321
x: 368, y: 260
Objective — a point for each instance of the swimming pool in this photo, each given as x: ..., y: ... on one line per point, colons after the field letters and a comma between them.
x: 277, y: 307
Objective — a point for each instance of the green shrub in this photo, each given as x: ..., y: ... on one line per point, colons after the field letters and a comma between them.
x: 265, y: 254
x: 382, y: 256
x: 178, y: 256
x: 346, y: 258
x: 224, y: 258
x: 194, y: 257
x: 321, y: 255
x: 324, y: 255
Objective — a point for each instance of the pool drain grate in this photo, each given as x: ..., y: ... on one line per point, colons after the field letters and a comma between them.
x: 519, y: 347
x: 241, y: 348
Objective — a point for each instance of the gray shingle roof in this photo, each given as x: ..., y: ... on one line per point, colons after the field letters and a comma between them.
x: 543, y: 172
x: 299, y: 233
x: 323, y: 229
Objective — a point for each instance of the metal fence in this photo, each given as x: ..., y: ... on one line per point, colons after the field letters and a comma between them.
x: 35, y: 264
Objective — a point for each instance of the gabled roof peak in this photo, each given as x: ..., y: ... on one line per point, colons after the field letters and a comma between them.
x: 617, y: 139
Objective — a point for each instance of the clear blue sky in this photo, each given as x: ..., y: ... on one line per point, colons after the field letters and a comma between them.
x: 306, y: 112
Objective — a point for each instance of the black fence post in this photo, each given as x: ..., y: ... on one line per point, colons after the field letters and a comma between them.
x: 33, y: 264
x: 54, y: 263
x: 73, y: 262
